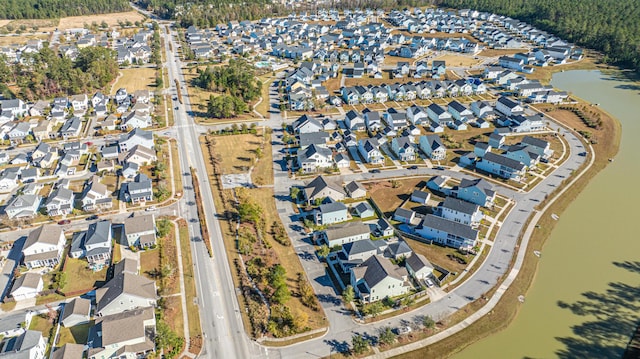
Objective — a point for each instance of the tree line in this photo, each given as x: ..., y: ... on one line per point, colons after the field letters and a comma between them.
x: 49, y: 75
x: 609, y: 26
x: 51, y: 9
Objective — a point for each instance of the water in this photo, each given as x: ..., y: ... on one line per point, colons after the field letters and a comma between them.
x: 582, y: 262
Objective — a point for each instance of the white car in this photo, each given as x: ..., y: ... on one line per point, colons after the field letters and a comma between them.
x: 429, y: 282
x: 404, y: 330
x: 149, y: 209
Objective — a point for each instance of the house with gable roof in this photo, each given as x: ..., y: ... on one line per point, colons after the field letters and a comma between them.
x: 43, y: 247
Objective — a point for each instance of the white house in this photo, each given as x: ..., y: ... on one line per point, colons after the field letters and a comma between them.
x: 460, y: 211
x: 26, y: 286
x: 433, y: 147
x: 43, y: 247
x: 377, y: 278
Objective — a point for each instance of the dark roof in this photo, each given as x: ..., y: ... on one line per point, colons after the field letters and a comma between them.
x: 459, y: 205
x: 451, y: 227
x: 318, y: 184
x: 457, y: 106
x: 420, y: 194
x: 362, y: 246
x: 405, y: 213
x: 504, y: 161
x: 332, y: 207
x: 417, y: 261
x: 507, y: 102
x: 479, y: 183
x: 346, y: 230
x: 536, y: 142
x: 378, y: 268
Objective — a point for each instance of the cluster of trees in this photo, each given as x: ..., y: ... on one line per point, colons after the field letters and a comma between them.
x: 209, y: 13
x: 50, y: 75
x: 166, y: 339
x: 226, y: 106
x: 608, y: 26
x: 237, y: 79
x: 49, y: 9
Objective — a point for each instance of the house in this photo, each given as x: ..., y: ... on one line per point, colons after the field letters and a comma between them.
x: 519, y: 123
x: 140, y: 190
x: 481, y: 148
x: 458, y: 125
x: 417, y: 115
x: 8, y: 181
x: 355, y: 253
x: 23, y: 206
x: 459, y: 111
x: 320, y: 188
x: 369, y: 150
x: 60, y: 202
x: 71, y: 128
x: 377, y: 278
x: 126, y: 291
x: 27, y: 286
x: 43, y: 247
x: 313, y: 158
x: 521, y: 153
x: 433, y: 147
x: 447, y: 232
x: 438, y: 68
x: 404, y: 215
x: 140, y: 155
x: 478, y: 191
x: 508, y: 107
x: 140, y: 231
x: 421, y: 197
x: 306, y: 124
x: 96, y: 196
x: 313, y: 138
x: 383, y: 228
x: 93, y: 244
x: 69, y: 351
x: 511, y: 63
x: 128, y: 334
x: 29, y: 175
x: 496, y: 140
x: 364, y: 210
x: 460, y: 211
x: 16, y: 107
x: 403, y: 148
x: 354, y: 121
x: 135, y: 119
x: 537, y: 146
x: 355, y: 190
x: 394, y: 119
x: 418, y: 266
x: 136, y: 137
x: 80, y: 103
x: 341, y: 234
x: 502, y: 166
x: 30, y: 344
x: 438, y: 114
x: 329, y: 213
x: 76, y: 311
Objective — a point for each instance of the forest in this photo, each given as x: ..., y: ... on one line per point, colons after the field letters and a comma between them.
x: 609, y: 26
x: 51, y: 9
x: 50, y: 75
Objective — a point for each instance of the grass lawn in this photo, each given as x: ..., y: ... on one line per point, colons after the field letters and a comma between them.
x: 438, y: 255
x: 177, y: 173
x: 263, y: 171
x: 238, y: 152
x: 388, y: 198
x: 498, y: 52
x: 75, y: 335
x: 80, y: 277
x: 149, y: 262
x: 333, y: 84
x: 20, y: 40
x: 189, y: 280
x: 136, y: 79
x: 41, y: 324
x: 263, y: 107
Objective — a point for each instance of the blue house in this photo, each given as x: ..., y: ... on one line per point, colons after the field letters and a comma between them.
x: 502, y: 166
x: 478, y: 191
x: 330, y: 213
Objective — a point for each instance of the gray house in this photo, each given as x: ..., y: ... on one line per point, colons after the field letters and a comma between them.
x: 140, y: 231
x: 94, y: 244
x: 330, y: 213
x: 77, y: 311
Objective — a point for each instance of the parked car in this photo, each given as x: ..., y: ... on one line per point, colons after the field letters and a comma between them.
x: 91, y: 218
x: 64, y: 221
x: 429, y: 282
x: 149, y: 209
x: 413, y: 167
x: 404, y: 330
x: 375, y: 171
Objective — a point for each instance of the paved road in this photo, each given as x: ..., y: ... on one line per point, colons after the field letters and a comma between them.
x: 225, y: 336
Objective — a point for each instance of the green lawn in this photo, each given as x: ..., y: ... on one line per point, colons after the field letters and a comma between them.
x: 74, y: 335
x: 80, y: 277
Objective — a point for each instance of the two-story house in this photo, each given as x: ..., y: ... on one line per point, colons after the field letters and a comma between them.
x: 93, y: 244
x: 460, y: 211
x: 140, y: 231
x: 43, y: 247
x: 433, y: 147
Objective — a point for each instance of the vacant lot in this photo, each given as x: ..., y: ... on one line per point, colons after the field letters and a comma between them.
x: 237, y: 153
x: 150, y: 263
x: 498, y: 52
x: 135, y: 79
x: 383, y: 81
x: 389, y: 198
x: 458, y: 60
x: 112, y: 19
x: 20, y: 40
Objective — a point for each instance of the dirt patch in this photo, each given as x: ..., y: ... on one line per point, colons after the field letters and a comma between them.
x: 135, y: 79
x: 498, y: 52
x: 458, y: 60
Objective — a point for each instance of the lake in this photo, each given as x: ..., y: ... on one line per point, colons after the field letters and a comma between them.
x: 589, y: 273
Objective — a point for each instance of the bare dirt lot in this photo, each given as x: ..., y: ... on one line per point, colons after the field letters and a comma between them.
x: 389, y: 198
x: 111, y: 19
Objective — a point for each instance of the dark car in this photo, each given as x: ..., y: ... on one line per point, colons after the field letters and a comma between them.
x: 64, y: 221
x: 91, y: 218
x: 375, y: 171
x: 413, y: 167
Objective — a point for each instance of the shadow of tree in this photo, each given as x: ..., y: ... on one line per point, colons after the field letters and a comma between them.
x: 613, y: 318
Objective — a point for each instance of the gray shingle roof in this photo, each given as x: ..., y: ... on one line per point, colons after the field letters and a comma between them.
x: 459, y: 205
x: 346, y: 230
x: 451, y: 227
x: 504, y: 161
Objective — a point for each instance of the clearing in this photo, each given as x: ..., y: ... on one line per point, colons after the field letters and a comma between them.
x: 112, y: 19
x: 237, y: 153
x: 80, y: 278
x: 458, y: 60
x: 388, y: 198
x: 135, y: 79
x: 20, y: 40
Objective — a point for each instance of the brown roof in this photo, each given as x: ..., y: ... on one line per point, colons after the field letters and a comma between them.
x: 77, y: 306
x: 138, y: 224
x: 127, y: 283
x: 69, y: 351
x: 49, y: 234
x: 124, y: 326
